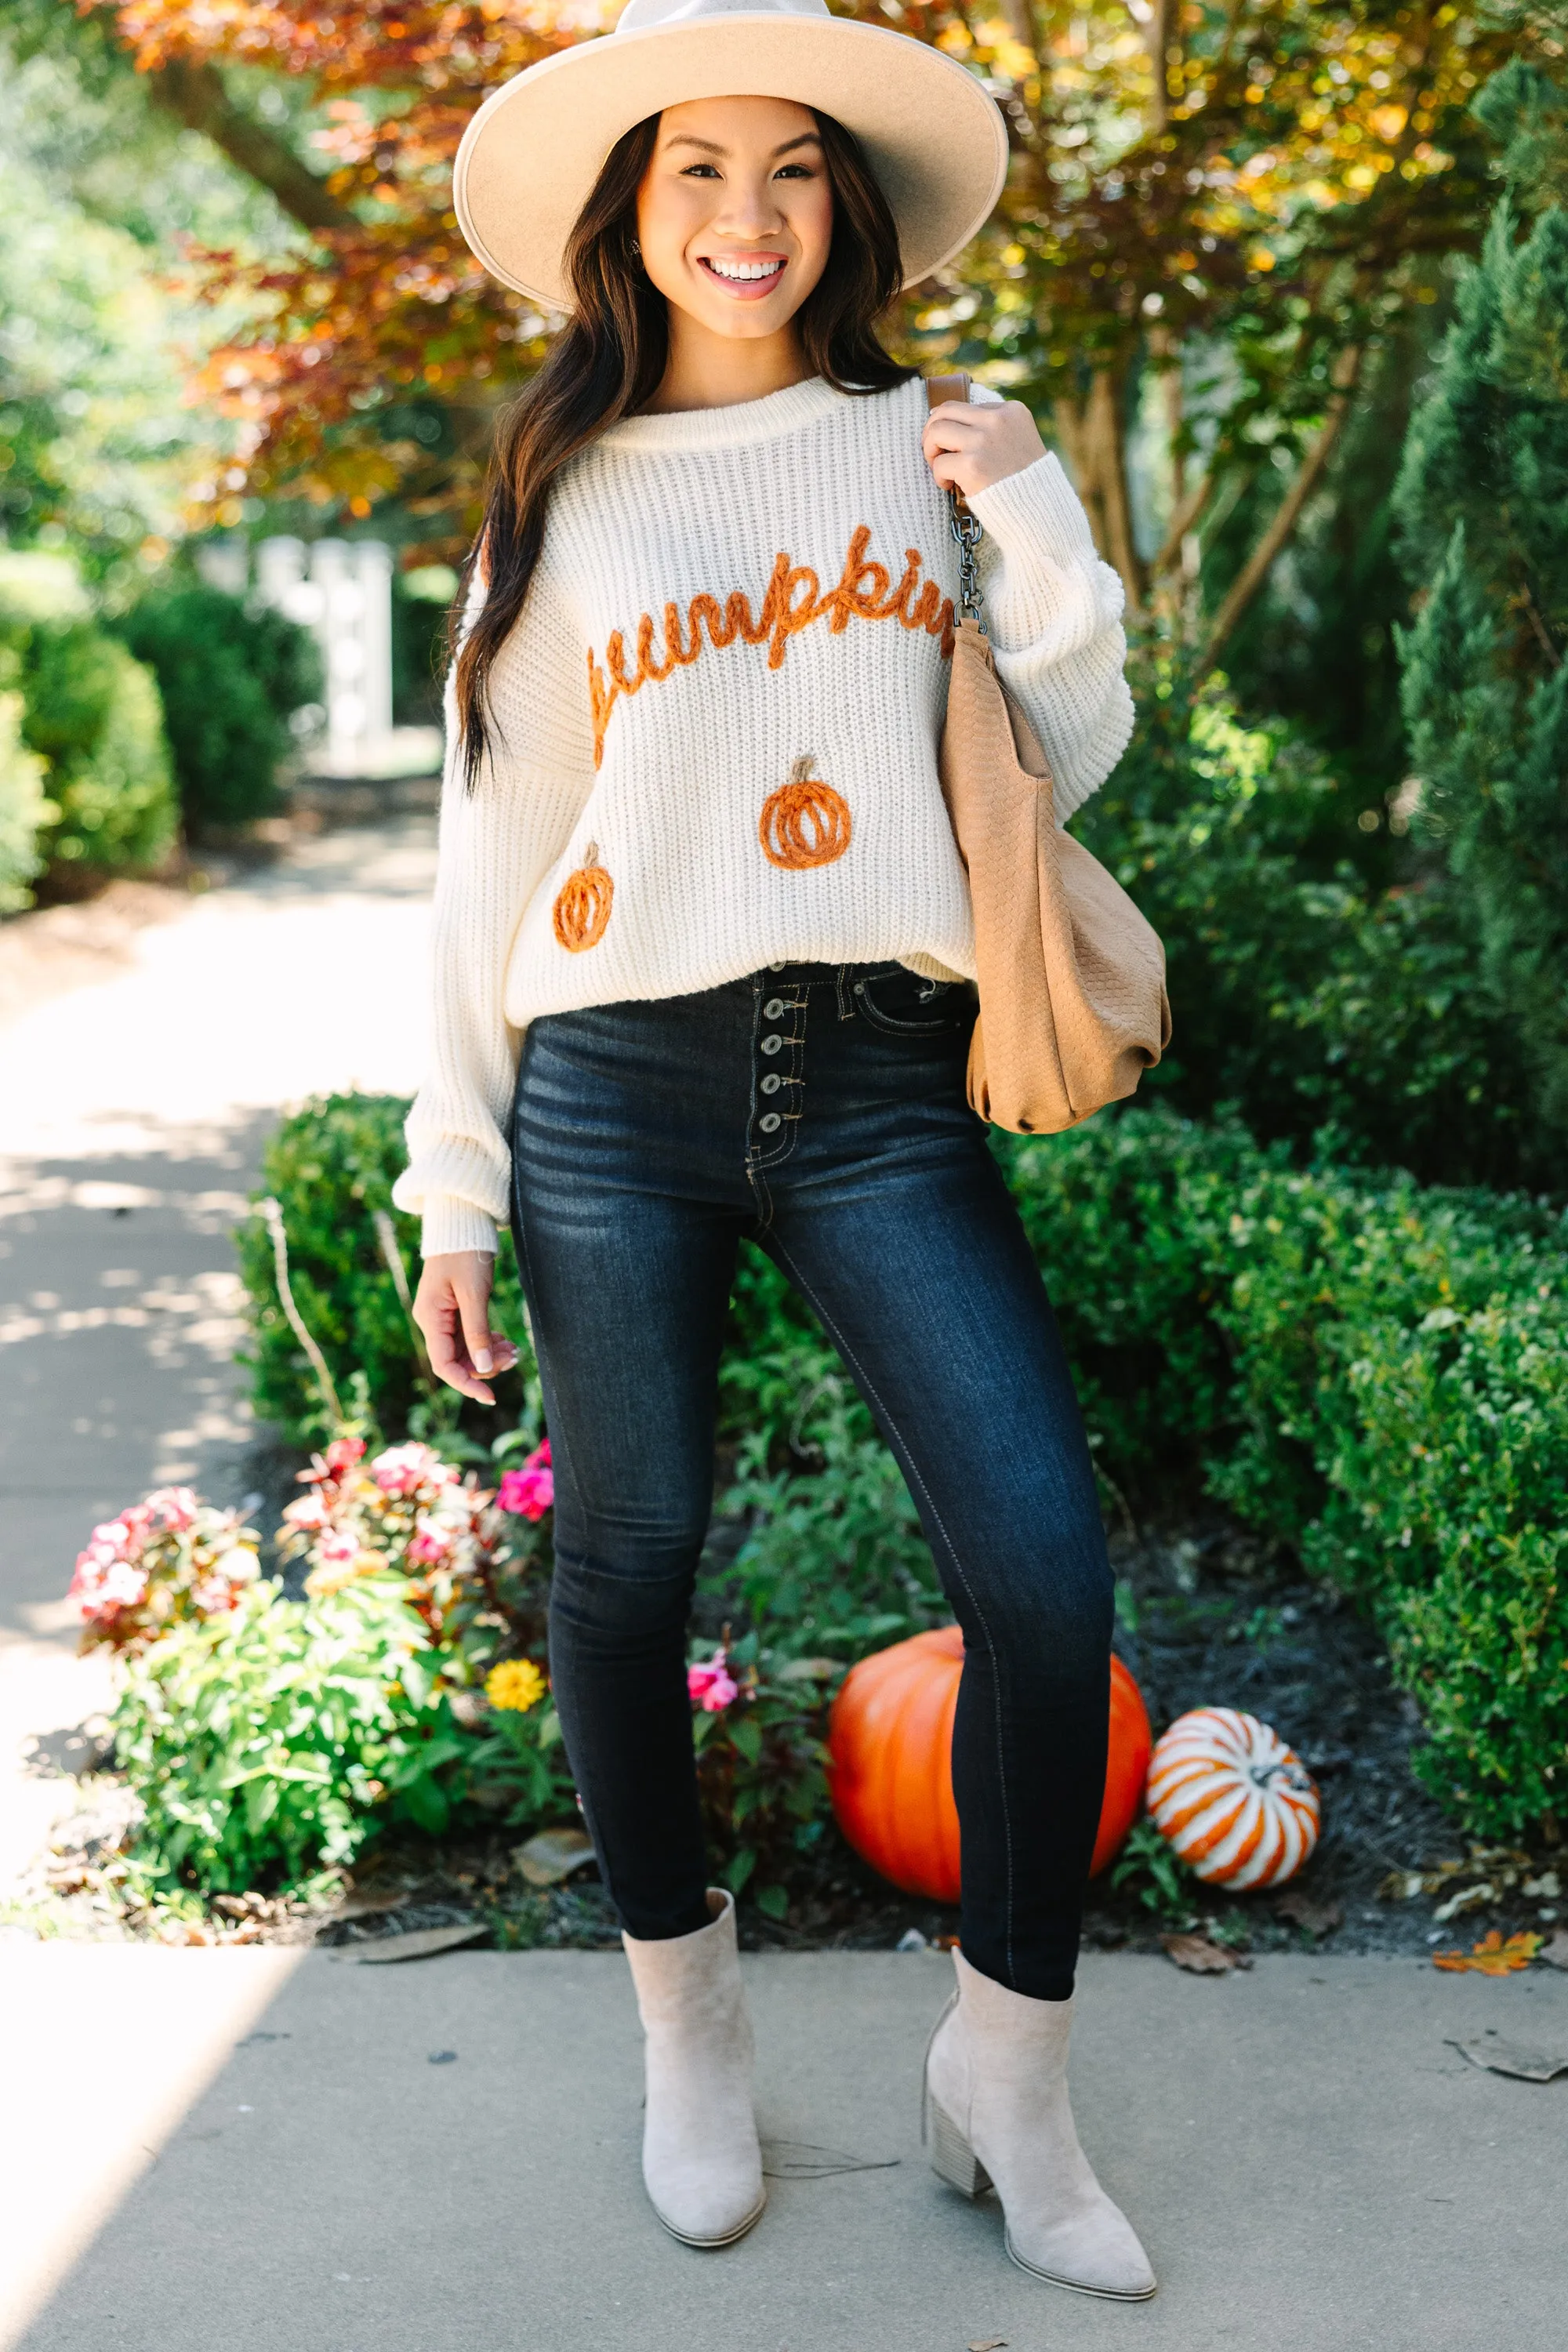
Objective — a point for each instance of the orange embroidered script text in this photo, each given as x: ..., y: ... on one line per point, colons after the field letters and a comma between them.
x: 794, y: 600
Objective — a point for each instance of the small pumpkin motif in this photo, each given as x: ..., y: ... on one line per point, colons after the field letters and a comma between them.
x: 890, y: 1746
x: 1239, y: 1808
x: 583, y: 904
x: 805, y: 823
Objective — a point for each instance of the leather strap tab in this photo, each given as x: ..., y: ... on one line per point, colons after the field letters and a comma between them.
x: 946, y: 387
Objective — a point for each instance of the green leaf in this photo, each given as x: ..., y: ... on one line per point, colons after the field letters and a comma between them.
x: 735, y: 1873
x: 425, y: 1804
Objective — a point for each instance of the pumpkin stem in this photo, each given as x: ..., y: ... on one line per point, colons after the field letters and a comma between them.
x: 800, y: 773
x: 591, y: 854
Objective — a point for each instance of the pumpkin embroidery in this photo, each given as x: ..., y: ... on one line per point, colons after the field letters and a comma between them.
x: 805, y: 822
x: 794, y: 600
x: 583, y: 903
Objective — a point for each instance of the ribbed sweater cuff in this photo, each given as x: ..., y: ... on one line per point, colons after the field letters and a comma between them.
x: 450, y: 1224
x: 1034, y: 511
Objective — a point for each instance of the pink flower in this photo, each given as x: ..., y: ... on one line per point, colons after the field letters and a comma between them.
x: 337, y: 1545
x: 123, y: 1587
x: 335, y: 1463
x: 102, y: 1585
x: 531, y: 1491
x: 174, y: 1507
x: 430, y: 1544
x: 308, y: 1512
x: 712, y: 1684
x: 401, y: 1470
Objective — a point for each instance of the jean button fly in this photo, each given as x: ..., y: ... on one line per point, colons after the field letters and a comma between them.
x: 772, y: 1083
x: 772, y: 1045
x: 773, y: 1009
x: 769, y: 1123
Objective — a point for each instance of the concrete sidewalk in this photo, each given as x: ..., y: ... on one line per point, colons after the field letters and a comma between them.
x: 136, y: 1103
x: 1310, y: 2164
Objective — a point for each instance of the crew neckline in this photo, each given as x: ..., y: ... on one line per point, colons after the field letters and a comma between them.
x: 746, y: 421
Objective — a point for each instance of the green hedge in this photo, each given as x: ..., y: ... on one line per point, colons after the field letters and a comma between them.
x: 330, y: 1166
x: 1373, y: 1372
x: 1323, y: 977
x: 22, y: 808
x: 1376, y: 1374
x: 229, y: 679
x: 93, y: 715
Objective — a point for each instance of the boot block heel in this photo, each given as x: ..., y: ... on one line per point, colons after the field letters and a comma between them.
x: 953, y: 2157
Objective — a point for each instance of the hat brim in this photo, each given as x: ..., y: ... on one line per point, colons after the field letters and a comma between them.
x: 530, y: 157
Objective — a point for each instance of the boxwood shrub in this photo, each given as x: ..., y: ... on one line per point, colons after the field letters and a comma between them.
x: 330, y: 1166
x: 1373, y: 1372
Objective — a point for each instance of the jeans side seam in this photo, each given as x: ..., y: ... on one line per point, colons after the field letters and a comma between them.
x: 871, y: 1386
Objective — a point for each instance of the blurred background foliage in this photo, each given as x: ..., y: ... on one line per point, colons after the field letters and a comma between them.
x: 1282, y: 280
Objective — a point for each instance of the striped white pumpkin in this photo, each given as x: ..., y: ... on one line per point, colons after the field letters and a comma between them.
x: 1238, y: 1806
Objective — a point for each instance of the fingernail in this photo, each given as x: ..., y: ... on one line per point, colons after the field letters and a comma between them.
x: 483, y: 1362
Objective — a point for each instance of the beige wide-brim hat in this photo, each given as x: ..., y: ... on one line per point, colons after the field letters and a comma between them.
x: 530, y: 157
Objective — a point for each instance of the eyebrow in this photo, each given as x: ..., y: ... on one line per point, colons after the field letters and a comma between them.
x: 711, y: 146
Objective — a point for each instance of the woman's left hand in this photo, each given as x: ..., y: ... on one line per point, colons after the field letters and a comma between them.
x: 968, y: 446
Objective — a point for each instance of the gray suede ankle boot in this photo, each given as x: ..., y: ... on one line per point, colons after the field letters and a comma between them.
x: 996, y: 2115
x: 701, y: 2162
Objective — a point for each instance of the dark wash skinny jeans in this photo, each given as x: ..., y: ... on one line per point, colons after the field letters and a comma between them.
x: 819, y: 1110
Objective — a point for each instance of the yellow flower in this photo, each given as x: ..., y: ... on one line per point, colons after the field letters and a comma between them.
x: 514, y: 1685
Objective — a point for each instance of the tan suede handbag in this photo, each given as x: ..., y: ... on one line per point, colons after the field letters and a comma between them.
x: 1073, y: 1007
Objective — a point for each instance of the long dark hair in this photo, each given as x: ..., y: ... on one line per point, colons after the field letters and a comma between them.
x: 609, y: 358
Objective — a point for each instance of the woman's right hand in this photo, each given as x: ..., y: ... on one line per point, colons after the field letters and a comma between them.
x: 452, y: 1307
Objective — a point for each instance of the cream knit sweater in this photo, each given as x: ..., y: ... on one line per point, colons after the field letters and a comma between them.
x: 715, y: 734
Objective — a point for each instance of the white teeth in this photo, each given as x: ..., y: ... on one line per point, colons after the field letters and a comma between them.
x: 742, y: 270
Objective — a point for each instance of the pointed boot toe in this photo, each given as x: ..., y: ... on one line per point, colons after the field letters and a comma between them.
x: 1096, y: 2251
x: 701, y: 2161
x: 997, y: 2116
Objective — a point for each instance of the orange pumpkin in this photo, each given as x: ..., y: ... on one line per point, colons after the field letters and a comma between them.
x: 805, y: 822
x: 891, y: 1745
x: 582, y: 908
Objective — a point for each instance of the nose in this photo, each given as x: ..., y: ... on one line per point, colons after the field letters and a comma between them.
x: 750, y: 211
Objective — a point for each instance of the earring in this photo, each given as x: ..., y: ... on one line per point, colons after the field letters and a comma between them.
x: 636, y: 248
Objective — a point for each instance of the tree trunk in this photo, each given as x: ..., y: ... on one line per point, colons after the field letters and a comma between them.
x: 1093, y: 444
x: 195, y: 94
x: 1155, y: 40
x: 1181, y: 521
x: 1021, y: 23
x: 1258, y: 564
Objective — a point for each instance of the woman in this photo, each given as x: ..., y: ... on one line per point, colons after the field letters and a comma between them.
x: 701, y: 946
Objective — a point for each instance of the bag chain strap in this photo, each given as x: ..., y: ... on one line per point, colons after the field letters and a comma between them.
x: 966, y: 531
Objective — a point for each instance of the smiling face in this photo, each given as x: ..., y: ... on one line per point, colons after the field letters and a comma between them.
x: 735, y: 213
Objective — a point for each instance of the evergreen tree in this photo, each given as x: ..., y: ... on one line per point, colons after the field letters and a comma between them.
x: 1482, y: 504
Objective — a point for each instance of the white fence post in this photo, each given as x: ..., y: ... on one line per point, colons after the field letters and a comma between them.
x: 340, y: 590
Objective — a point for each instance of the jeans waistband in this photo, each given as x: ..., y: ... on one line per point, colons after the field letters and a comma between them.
x: 823, y: 975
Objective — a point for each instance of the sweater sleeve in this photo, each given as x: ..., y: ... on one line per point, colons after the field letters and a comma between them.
x: 497, y: 842
x: 1053, y: 613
